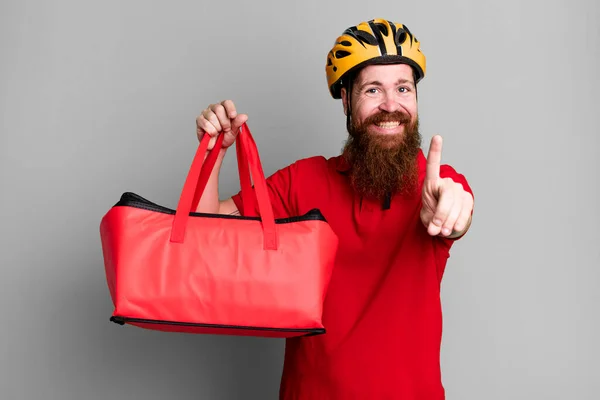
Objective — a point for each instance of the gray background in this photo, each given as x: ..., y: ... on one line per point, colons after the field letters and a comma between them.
x: 98, y: 98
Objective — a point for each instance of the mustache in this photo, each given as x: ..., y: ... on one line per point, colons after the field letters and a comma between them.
x: 384, y: 116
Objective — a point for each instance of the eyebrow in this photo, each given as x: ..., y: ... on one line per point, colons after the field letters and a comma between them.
x: 377, y: 83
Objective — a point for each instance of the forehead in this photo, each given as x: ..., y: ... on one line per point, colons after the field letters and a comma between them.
x: 386, y: 74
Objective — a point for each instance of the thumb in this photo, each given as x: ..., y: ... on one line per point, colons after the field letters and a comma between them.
x: 237, y: 122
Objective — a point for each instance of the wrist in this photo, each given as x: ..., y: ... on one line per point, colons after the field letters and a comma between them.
x: 221, y: 155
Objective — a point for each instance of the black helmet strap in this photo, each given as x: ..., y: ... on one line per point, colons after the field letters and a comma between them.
x: 349, y: 102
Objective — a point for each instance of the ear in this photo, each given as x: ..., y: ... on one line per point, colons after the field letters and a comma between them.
x: 344, y: 100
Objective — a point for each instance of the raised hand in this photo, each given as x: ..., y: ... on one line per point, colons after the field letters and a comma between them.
x: 447, y: 207
x: 217, y: 118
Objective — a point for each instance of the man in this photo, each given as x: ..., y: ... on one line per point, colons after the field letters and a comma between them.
x: 396, y: 214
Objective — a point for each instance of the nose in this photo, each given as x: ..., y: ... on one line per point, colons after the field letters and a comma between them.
x: 389, y: 103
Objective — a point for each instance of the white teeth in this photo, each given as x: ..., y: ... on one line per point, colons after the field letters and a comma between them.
x: 388, y: 125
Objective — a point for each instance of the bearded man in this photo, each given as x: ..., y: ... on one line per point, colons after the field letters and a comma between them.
x: 396, y: 214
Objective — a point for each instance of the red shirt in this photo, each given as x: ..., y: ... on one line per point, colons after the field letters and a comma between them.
x: 382, y: 312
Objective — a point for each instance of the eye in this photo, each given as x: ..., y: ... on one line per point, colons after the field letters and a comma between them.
x: 404, y: 89
x: 371, y: 90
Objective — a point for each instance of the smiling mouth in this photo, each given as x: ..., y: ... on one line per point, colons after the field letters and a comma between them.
x: 388, y: 125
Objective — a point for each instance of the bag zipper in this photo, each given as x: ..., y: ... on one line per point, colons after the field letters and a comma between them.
x: 122, y: 320
x: 129, y: 199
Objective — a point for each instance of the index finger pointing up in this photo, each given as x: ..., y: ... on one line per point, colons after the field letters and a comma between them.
x: 434, y: 158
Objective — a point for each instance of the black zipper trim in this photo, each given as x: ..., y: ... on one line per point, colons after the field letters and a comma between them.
x: 122, y: 320
x: 129, y: 199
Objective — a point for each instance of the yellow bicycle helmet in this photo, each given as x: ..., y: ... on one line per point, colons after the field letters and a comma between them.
x: 377, y: 41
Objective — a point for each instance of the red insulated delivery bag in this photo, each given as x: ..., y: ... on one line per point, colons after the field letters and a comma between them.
x: 183, y: 271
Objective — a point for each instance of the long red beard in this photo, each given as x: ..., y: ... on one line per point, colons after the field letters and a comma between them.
x: 382, y: 164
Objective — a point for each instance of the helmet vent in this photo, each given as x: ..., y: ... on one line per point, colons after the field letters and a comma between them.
x: 362, y: 36
x: 401, y: 36
x: 365, y: 37
x: 382, y: 28
x: 341, y: 54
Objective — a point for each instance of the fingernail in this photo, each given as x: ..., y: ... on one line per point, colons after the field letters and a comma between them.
x: 446, y: 231
x: 437, y: 222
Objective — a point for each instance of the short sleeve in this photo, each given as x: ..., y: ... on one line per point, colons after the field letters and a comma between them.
x: 447, y: 171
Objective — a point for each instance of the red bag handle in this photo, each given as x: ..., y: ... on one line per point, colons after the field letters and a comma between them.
x: 197, y: 179
x: 262, y: 192
x: 244, y: 175
x: 245, y: 183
